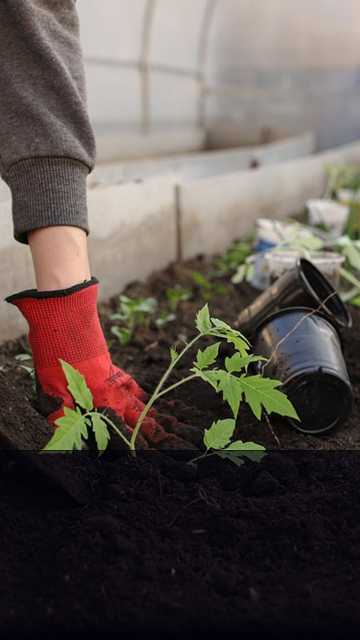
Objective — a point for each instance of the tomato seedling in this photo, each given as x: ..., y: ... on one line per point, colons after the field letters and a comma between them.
x: 232, y: 381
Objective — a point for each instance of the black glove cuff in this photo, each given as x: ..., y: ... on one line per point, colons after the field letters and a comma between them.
x: 34, y: 293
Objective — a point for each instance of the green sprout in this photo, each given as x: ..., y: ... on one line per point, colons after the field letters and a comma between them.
x: 29, y: 368
x: 176, y: 295
x: 132, y: 313
x: 233, y: 258
x: 207, y: 289
x: 164, y: 318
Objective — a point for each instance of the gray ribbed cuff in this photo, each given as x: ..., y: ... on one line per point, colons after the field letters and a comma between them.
x: 47, y: 192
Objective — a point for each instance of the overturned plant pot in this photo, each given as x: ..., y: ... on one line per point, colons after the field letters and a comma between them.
x: 303, y: 351
x: 303, y: 286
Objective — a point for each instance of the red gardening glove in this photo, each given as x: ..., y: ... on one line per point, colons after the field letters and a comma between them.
x: 65, y: 325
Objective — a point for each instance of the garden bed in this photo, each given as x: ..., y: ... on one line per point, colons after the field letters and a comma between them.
x: 271, y: 546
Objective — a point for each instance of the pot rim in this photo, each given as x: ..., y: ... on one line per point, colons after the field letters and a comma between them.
x: 346, y: 322
x: 350, y: 396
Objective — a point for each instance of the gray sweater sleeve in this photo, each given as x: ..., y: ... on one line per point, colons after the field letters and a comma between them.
x: 47, y: 144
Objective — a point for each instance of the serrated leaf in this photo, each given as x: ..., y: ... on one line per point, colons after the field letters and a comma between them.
x: 102, y: 435
x: 207, y: 357
x: 263, y: 393
x: 238, y: 362
x: 222, y: 330
x: 219, y: 434
x: 232, y: 392
x: 71, y: 428
x: 235, y: 459
x: 222, y: 326
x: 240, y: 343
x: 250, y: 450
x: 203, y: 322
x: 211, y: 377
x: 77, y: 386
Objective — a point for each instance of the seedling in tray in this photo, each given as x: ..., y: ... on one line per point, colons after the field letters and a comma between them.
x: 232, y: 381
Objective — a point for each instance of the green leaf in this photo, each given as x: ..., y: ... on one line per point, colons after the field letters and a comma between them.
x: 232, y: 391
x: 164, y: 318
x: 211, y: 377
x: 240, y: 274
x: 240, y: 343
x: 177, y: 294
x: 102, y: 435
x: 223, y: 330
x: 173, y: 355
x: 262, y: 392
x: 355, y: 301
x: 77, y: 386
x: 222, y: 326
x: 203, y: 322
x: 250, y: 450
x: 71, y: 428
x: 206, y: 358
x: 123, y: 335
x: 132, y: 306
x: 353, y: 256
x: 219, y: 434
x: 238, y: 362
x: 235, y: 459
x: 200, y: 280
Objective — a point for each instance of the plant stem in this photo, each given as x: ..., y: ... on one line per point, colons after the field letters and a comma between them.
x: 177, y: 384
x: 111, y: 424
x: 155, y: 395
x: 206, y: 454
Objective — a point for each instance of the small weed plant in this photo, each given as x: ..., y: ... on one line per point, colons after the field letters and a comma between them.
x: 207, y: 288
x: 233, y: 381
x: 233, y: 258
x: 132, y: 314
x: 176, y: 295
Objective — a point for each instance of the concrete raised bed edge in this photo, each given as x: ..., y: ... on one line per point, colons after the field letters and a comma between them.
x: 152, y: 223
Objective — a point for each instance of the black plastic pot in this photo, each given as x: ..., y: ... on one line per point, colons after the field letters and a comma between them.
x: 305, y: 286
x: 304, y: 352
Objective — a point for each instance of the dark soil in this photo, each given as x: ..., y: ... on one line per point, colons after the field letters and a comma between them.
x: 161, y: 546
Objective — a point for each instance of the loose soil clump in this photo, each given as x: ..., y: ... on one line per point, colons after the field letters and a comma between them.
x: 155, y: 544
